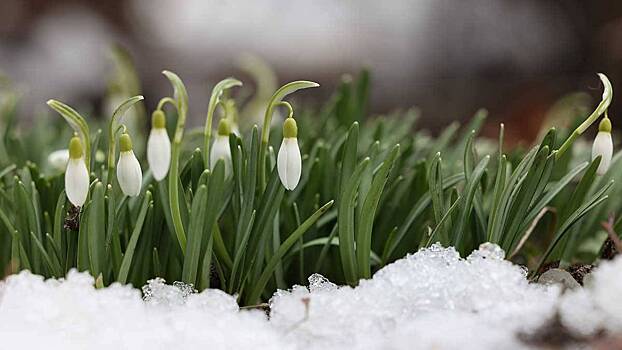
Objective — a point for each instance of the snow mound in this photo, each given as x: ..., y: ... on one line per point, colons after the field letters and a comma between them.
x: 430, y: 299
x: 72, y: 314
x: 433, y: 299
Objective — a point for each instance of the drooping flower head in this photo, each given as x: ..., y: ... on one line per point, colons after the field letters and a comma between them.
x: 59, y: 158
x: 220, y: 148
x: 289, y: 161
x: 603, y: 145
x: 76, y: 175
x: 159, y: 146
x: 129, y: 174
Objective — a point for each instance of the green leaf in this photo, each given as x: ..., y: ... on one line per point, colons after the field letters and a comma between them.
x: 131, y: 246
x: 467, y: 204
x: 97, y: 230
x: 415, y: 212
x: 345, y: 218
x: 349, y: 155
x: 82, y: 258
x: 237, y: 260
x: 591, y: 203
x: 285, y: 246
x: 442, y: 221
x: 368, y: 213
x: 509, y: 192
x: 195, y: 236
x: 53, y: 268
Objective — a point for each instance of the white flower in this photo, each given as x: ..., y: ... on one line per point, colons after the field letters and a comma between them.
x: 221, y: 150
x: 129, y: 174
x: 58, y: 159
x: 159, y: 153
x: 289, y: 161
x: 159, y: 146
x: 603, y: 146
x: 76, y: 175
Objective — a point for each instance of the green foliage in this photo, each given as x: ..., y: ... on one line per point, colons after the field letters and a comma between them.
x: 371, y: 190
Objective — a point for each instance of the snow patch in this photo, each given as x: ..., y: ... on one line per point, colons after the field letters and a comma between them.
x: 430, y: 299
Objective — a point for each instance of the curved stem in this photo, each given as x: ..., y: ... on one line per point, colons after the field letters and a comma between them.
x: 214, y: 102
x: 116, y: 115
x: 600, y: 109
x: 276, y: 100
x: 77, y: 122
x: 165, y: 100
x: 290, y: 109
x: 208, y: 129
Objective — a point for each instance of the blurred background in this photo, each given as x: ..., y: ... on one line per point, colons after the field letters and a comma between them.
x: 447, y: 57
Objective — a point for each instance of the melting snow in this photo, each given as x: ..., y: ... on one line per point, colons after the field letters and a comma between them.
x: 431, y: 299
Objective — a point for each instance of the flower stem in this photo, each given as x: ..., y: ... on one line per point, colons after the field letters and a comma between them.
x: 173, y: 183
x: 600, y: 109
x: 275, y: 101
x: 214, y: 102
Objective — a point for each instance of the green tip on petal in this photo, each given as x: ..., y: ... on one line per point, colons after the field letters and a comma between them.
x: 290, y: 129
x: 75, y: 148
x: 605, y: 125
x: 224, y: 129
x: 125, y: 143
x: 158, y: 119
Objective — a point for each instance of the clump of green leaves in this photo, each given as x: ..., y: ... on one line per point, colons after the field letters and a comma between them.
x: 371, y: 190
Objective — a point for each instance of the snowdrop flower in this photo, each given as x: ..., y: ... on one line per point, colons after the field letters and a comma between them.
x: 603, y: 146
x: 129, y: 174
x: 58, y: 159
x: 289, y: 162
x: 159, y: 146
x: 76, y: 175
x: 220, y: 148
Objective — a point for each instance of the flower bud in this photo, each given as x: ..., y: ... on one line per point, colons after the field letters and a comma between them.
x: 220, y: 148
x: 129, y: 174
x: 76, y: 175
x: 289, y: 161
x: 603, y: 146
x: 159, y: 146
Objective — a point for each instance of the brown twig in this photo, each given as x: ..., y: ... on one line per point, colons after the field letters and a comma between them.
x: 609, y: 227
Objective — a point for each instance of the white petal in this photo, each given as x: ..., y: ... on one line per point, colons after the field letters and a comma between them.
x: 289, y: 163
x: 221, y: 150
x: 77, y: 181
x: 159, y: 153
x: 129, y: 174
x: 58, y: 159
x: 603, y: 146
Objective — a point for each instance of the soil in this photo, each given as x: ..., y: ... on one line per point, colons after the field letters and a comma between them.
x: 554, y: 335
x: 609, y: 250
x: 579, y: 271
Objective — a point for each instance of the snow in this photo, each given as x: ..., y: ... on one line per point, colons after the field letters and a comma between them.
x: 430, y: 299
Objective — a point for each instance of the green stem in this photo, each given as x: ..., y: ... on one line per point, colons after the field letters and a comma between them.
x: 173, y: 183
x: 77, y: 122
x: 165, y: 100
x: 116, y: 115
x: 600, y: 109
x: 214, y: 102
x: 275, y: 101
x: 207, y: 133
